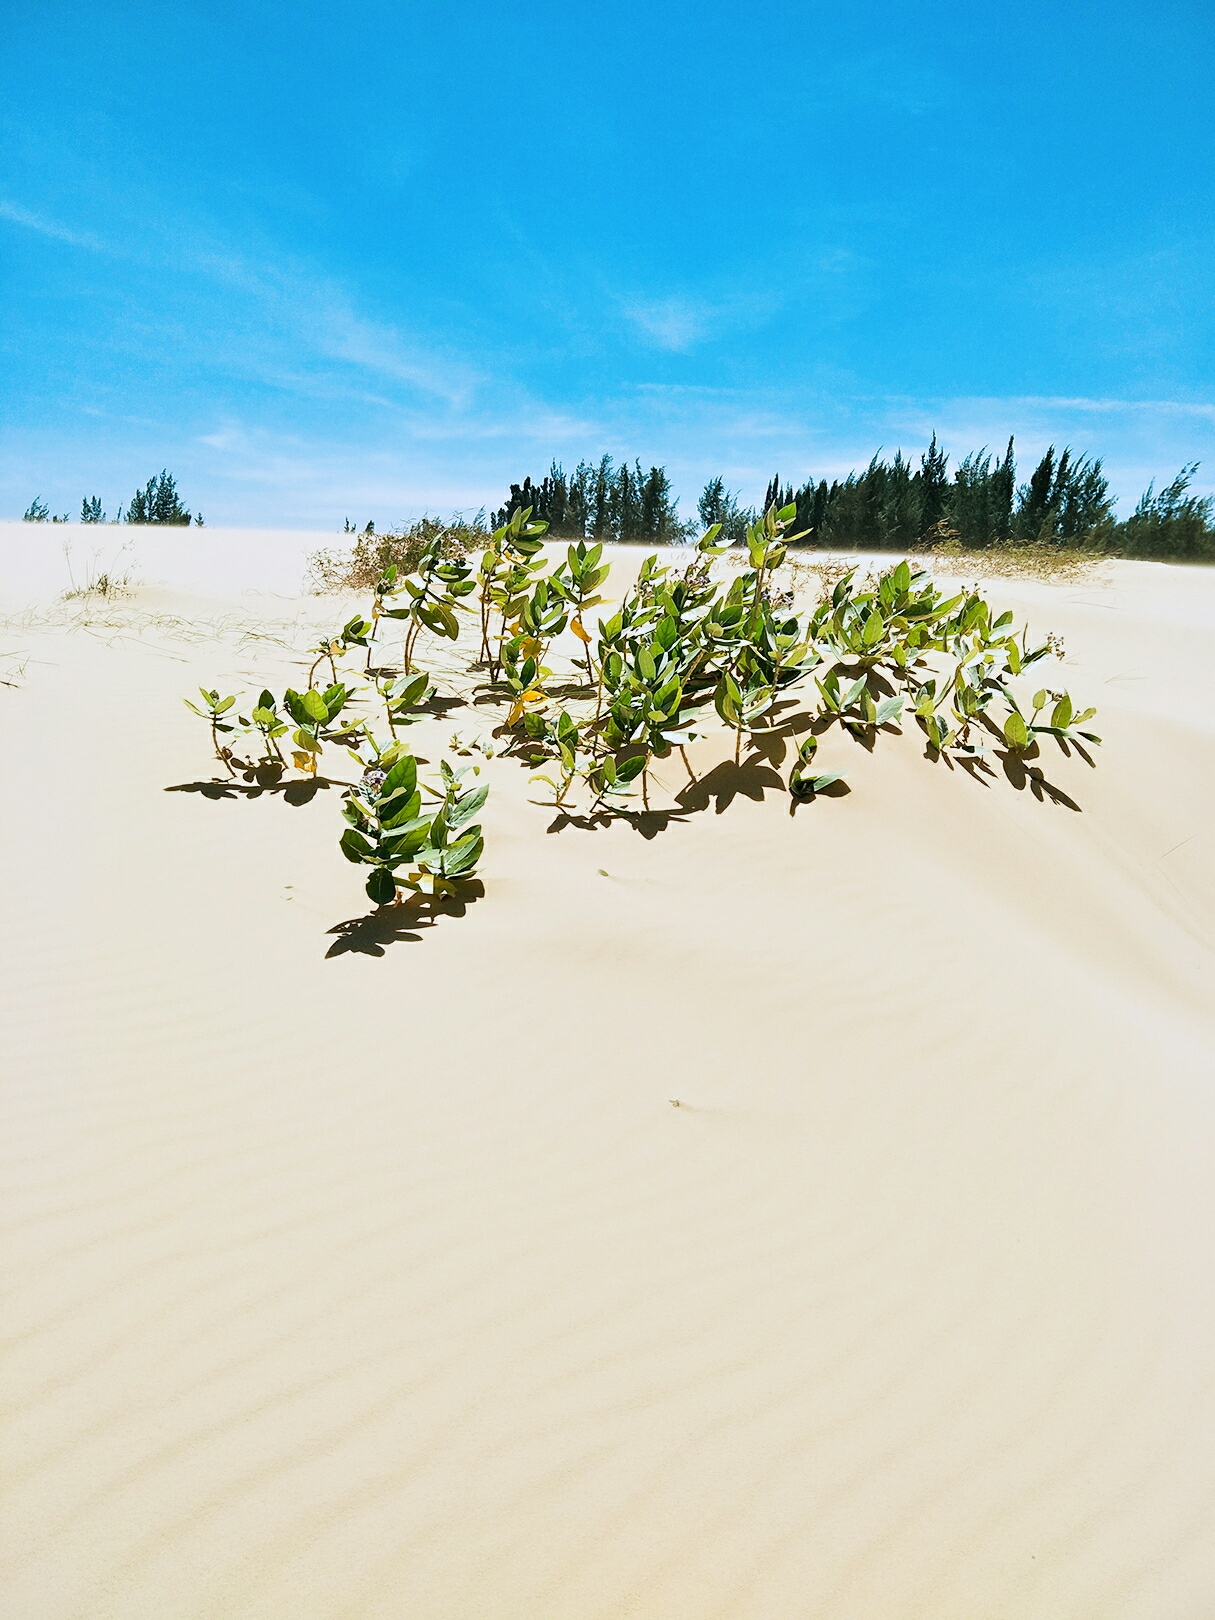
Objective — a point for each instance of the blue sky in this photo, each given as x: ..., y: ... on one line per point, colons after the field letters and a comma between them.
x: 325, y: 261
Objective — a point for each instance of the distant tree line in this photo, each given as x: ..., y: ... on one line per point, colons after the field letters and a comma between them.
x: 601, y: 501
x: 890, y: 506
x: 157, y: 502
x: 1066, y: 502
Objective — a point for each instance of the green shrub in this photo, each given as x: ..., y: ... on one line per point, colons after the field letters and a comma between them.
x: 683, y: 654
x: 158, y: 502
x: 1171, y: 525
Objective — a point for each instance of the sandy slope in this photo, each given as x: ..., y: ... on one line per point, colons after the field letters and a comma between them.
x: 389, y: 1283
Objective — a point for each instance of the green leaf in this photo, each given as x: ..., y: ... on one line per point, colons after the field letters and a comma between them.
x: 313, y: 705
x: 354, y: 846
x: 466, y: 807
x: 408, y: 690
x: 403, y: 775
x: 401, y: 808
x: 889, y: 709
x: 464, y: 854
x: 1062, y: 715
x: 404, y: 843
x: 1016, y: 734
x: 381, y: 886
x: 854, y: 693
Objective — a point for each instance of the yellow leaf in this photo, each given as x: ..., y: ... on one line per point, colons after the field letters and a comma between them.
x: 576, y: 627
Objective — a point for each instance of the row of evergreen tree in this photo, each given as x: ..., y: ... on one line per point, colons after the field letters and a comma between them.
x: 1066, y: 502
x: 157, y: 502
x: 890, y: 506
x: 601, y: 501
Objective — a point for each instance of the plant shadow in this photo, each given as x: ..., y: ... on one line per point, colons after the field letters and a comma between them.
x: 403, y: 923
x: 649, y: 823
x: 441, y: 707
x: 256, y: 784
x: 1022, y: 775
x: 752, y: 778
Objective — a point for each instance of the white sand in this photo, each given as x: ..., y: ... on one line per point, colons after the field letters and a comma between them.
x: 384, y: 1285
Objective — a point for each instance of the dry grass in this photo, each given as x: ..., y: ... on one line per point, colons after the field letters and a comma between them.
x: 1052, y: 563
x: 109, y: 583
x: 114, y: 621
x: 359, y: 569
x: 1056, y: 563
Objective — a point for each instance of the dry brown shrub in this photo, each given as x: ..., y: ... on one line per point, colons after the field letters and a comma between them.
x: 1046, y: 562
x: 1060, y: 563
x: 360, y: 568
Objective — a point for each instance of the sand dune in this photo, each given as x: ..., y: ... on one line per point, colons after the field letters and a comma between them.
x: 366, y: 1269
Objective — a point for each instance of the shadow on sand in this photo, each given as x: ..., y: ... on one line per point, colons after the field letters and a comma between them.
x: 404, y: 923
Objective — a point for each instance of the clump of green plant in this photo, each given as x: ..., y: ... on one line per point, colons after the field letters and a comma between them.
x: 265, y: 722
x: 508, y: 564
x: 405, y: 698
x: 803, y: 783
x: 579, y: 581
x: 356, y: 632
x: 1020, y: 734
x: 314, y: 714
x: 686, y: 653
x: 431, y: 594
x: 213, y: 713
x: 404, y: 847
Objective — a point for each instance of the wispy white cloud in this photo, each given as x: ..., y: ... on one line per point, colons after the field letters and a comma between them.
x: 17, y: 215
x: 298, y: 311
x: 675, y: 324
x: 417, y: 425
x: 243, y: 469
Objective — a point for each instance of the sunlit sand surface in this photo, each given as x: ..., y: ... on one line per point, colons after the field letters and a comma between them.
x: 365, y: 1269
